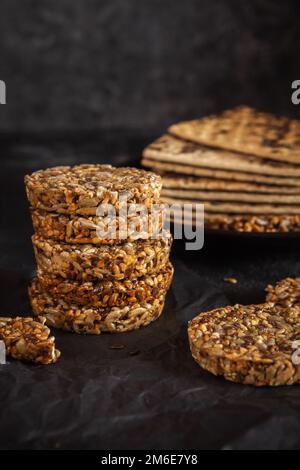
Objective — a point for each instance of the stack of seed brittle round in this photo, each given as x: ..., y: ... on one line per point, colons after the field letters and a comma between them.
x: 98, y: 271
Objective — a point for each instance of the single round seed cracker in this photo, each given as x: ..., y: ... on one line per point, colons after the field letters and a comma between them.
x: 82, y: 188
x: 108, y: 293
x: 92, y: 320
x: 84, y: 230
x: 286, y: 293
x: 253, y: 345
x: 85, y: 263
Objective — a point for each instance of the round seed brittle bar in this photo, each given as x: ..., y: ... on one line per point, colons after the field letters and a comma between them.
x: 91, y: 320
x: 75, y: 229
x: 286, y: 293
x: 130, y: 260
x: 28, y: 339
x: 81, y: 189
x: 108, y: 293
x: 253, y: 345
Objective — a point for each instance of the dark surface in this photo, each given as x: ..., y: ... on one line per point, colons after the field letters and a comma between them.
x: 151, y: 394
x: 143, y: 64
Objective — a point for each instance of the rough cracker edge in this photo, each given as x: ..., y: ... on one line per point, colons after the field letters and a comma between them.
x: 245, y: 372
x: 253, y: 224
x: 79, y: 230
x: 91, y: 263
x: 237, y: 208
x: 285, y: 293
x: 106, y: 293
x: 178, y: 151
x: 93, y: 321
x: 192, y: 183
x: 250, y: 224
x: 231, y: 197
x: 141, y: 187
x: 226, y: 175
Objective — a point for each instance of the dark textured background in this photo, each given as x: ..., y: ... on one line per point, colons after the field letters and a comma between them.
x: 90, y: 64
x: 95, y: 81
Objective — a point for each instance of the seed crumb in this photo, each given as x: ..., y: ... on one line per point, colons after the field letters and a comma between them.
x: 231, y: 280
x: 135, y: 352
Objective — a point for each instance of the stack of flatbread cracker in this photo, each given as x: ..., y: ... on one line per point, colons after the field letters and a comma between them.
x: 244, y: 165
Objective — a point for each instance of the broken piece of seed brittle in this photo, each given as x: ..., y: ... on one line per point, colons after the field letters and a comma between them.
x: 28, y: 339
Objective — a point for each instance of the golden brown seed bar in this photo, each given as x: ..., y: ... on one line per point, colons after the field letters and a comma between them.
x: 286, y: 293
x: 236, y: 198
x: 91, y: 263
x: 74, y: 229
x: 72, y: 317
x: 81, y: 189
x: 253, y: 344
x: 247, y: 131
x: 28, y: 339
x: 108, y: 293
x: 230, y: 207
